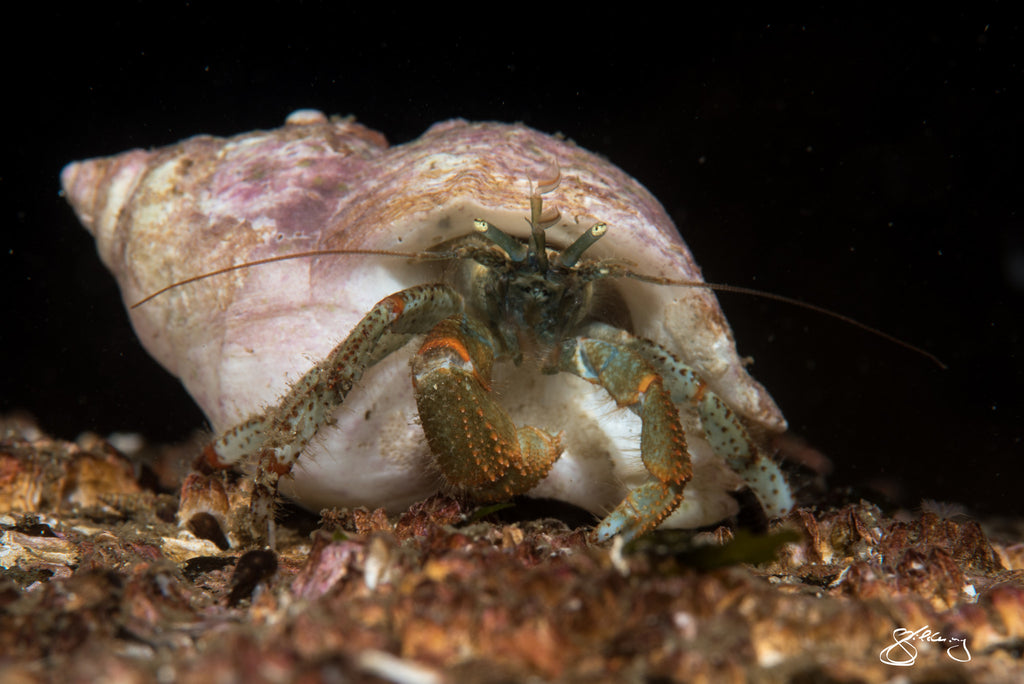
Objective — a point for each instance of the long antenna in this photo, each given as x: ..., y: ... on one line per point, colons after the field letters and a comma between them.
x: 616, y: 270
x: 287, y: 257
x: 722, y: 287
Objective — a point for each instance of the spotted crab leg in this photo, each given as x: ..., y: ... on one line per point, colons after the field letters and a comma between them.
x: 636, y: 385
x: 474, y: 441
x: 723, y: 428
x: 278, y: 436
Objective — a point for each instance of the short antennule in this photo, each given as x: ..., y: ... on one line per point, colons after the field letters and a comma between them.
x: 539, y: 221
x: 538, y: 244
x: 571, y: 254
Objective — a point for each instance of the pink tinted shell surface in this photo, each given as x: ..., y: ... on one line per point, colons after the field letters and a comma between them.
x: 237, y: 340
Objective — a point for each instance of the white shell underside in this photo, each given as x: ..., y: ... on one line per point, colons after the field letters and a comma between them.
x: 375, y: 453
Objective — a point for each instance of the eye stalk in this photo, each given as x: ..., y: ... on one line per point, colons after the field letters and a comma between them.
x: 571, y: 254
x: 515, y: 249
x: 539, y: 222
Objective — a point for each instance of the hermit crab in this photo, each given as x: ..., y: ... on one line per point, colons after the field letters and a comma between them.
x: 540, y: 299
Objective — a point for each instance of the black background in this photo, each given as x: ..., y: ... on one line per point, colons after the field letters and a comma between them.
x: 870, y: 165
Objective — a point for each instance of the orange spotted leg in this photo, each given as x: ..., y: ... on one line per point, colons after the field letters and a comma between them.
x: 476, y: 445
x: 275, y: 439
x: 634, y: 384
x: 722, y: 426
